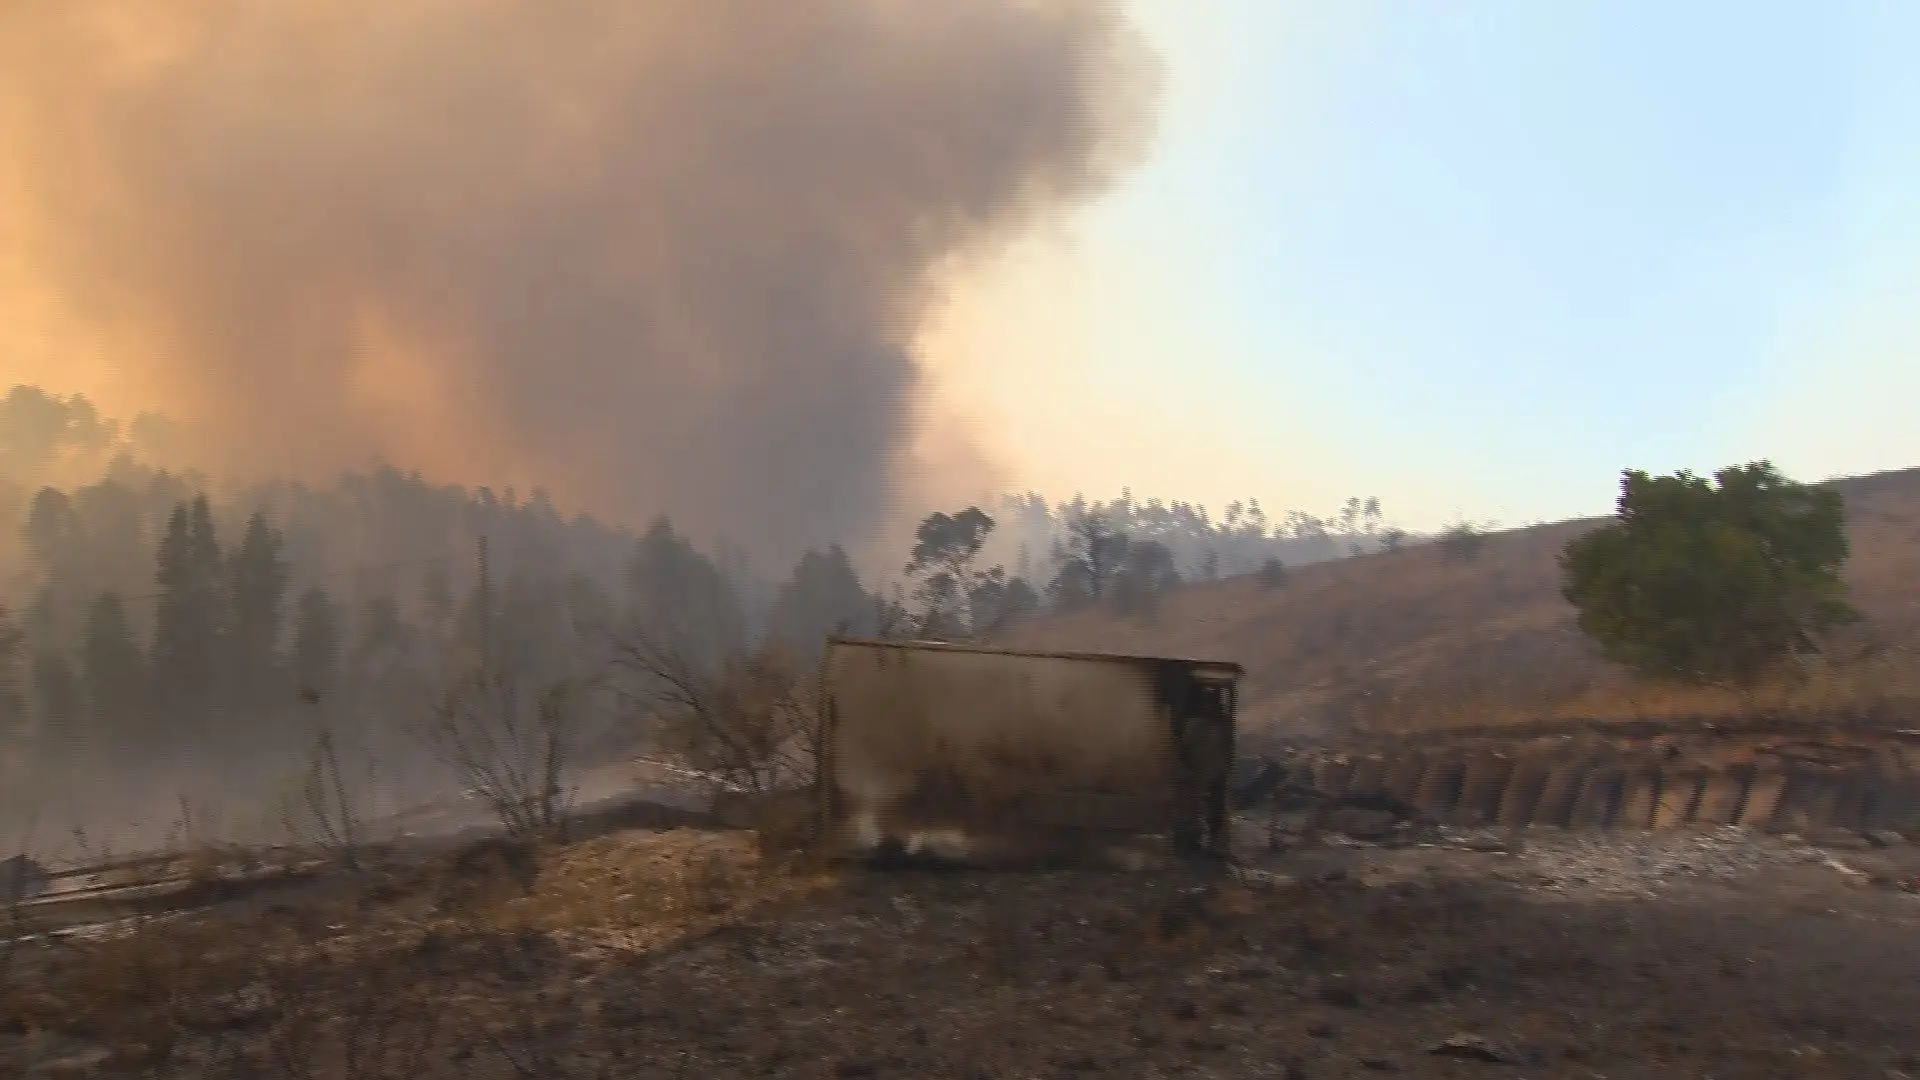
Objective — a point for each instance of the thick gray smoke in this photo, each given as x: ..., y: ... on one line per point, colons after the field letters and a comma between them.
x: 649, y: 254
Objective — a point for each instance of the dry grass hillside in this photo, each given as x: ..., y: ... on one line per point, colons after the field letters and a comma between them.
x: 1415, y: 640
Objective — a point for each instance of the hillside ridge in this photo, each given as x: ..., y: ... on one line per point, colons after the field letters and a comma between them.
x: 1417, y: 640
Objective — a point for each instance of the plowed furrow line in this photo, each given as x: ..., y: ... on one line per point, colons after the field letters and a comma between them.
x: 1769, y: 781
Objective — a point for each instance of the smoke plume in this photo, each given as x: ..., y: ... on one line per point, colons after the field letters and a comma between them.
x: 649, y: 254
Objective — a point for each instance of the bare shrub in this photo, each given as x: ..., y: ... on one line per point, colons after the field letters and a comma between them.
x: 1463, y: 543
x: 321, y: 813
x: 510, y: 749
x: 751, y: 722
x: 1273, y: 573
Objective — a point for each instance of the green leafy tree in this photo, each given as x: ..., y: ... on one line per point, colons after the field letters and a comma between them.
x: 1088, y: 558
x: 891, y: 618
x: 1072, y: 586
x: 945, y: 549
x: 997, y: 601
x: 1147, y: 573
x: 1712, y: 582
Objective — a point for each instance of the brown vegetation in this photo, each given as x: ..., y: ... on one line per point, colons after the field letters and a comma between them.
x: 1435, y: 636
x: 682, y: 954
x: 454, y: 964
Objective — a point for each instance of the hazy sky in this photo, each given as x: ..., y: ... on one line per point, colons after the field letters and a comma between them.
x: 1471, y: 258
x: 655, y: 257
x: 1476, y: 258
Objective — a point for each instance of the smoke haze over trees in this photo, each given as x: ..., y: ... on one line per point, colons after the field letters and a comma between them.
x: 158, y: 623
x: 361, y: 578
x: 640, y: 256
x: 361, y: 287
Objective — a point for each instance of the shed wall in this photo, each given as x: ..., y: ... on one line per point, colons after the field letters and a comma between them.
x: 924, y: 738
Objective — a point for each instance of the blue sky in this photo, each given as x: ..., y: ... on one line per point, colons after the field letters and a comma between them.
x: 1476, y: 258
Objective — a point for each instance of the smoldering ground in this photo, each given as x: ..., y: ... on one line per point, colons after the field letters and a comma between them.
x: 653, y: 256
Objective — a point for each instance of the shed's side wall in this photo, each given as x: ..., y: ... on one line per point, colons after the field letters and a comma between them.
x: 916, y: 730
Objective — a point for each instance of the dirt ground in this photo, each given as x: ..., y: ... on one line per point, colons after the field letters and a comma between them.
x: 682, y: 954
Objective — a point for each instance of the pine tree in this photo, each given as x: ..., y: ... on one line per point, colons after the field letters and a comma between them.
x: 590, y: 611
x: 43, y: 618
x: 56, y: 695
x: 824, y: 596
x: 188, y: 615
x: 316, y: 644
x: 533, y: 629
x: 680, y: 598
x: 258, y: 577
x: 380, y: 666
x: 209, y: 567
x: 382, y: 644
x: 174, y: 619
x: 13, y: 707
x: 436, y: 600
x: 56, y: 539
x: 112, y: 672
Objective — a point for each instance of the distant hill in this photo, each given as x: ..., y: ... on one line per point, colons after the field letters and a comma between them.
x: 1414, y: 640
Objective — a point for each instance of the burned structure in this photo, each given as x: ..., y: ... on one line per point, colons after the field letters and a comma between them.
x: 981, y: 753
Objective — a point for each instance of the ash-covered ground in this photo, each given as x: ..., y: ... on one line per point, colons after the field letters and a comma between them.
x: 687, y: 953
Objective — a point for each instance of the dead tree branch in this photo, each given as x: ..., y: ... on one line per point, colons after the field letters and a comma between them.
x: 510, y: 752
x: 750, y: 721
x: 324, y: 814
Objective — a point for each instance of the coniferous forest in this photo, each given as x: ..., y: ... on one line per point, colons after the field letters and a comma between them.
x: 157, y: 624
